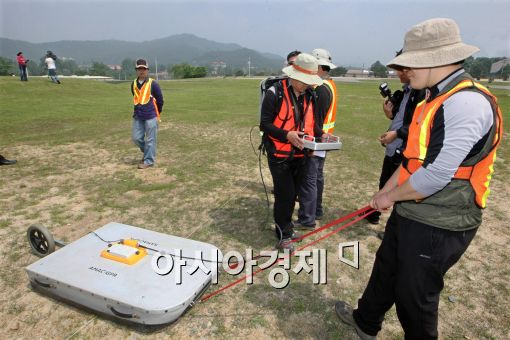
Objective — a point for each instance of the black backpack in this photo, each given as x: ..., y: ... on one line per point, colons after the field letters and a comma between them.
x: 266, y: 85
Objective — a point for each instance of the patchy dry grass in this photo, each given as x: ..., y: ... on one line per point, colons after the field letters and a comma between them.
x: 77, y: 171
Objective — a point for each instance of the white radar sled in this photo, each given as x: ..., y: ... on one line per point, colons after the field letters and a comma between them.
x: 111, y: 271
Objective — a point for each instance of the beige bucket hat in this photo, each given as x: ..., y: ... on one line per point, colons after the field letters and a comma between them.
x: 323, y: 57
x: 304, y: 69
x: 432, y: 43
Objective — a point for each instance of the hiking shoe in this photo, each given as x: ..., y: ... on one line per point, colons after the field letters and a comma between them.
x: 286, y: 243
x: 144, y: 166
x: 299, y: 225
x: 295, y: 236
x: 319, y: 217
x: 344, y: 312
x: 5, y: 161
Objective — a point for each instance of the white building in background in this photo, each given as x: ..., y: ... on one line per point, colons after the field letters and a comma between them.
x: 499, y: 65
x: 218, y: 68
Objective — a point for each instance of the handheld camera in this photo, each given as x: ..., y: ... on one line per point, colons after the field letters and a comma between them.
x: 395, y: 98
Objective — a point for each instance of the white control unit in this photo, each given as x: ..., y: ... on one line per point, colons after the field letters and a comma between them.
x: 320, y: 144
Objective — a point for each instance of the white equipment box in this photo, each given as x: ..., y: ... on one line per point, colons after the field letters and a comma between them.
x: 318, y: 144
x: 111, y: 271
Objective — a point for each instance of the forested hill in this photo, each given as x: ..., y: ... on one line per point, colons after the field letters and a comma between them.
x: 175, y: 49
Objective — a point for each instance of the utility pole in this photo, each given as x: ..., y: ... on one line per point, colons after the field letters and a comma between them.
x: 156, y: 62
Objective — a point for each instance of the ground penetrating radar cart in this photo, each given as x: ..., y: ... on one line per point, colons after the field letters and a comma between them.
x: 128, y: 273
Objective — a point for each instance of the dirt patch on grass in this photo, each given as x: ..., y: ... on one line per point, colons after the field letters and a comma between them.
x: 74, y: 189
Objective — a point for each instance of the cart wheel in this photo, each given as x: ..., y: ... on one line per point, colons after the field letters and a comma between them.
x: 40, y: 239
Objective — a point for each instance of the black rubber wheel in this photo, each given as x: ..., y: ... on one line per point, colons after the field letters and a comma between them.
x: 40, y: 239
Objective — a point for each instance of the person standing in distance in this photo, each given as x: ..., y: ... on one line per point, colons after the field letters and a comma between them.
x: 439, y: 190
x: 22, y: 64
x: 148, y: 105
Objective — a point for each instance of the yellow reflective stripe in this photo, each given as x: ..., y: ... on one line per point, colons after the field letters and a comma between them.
x: 481, y: 87
x: 146, y: 92
x: 487, y: 182
x: 424, y: 130
x: 328, y: 126
x: 142, y: 96
x: 329, y: 123
x: 136, y: 93
x: 329, y: 115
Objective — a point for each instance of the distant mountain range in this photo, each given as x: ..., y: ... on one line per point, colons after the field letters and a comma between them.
x: 174, y: 49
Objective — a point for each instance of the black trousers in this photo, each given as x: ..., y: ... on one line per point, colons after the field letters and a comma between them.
x: 287, y: 176
x: 320, y: 185
x: 390, y: 165
x: 308, y: 192
x: 408, y: 271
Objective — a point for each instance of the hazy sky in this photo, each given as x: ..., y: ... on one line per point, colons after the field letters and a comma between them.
x: 356, y: 32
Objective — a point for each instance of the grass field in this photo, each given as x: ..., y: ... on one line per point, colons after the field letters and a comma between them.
x: 77, y: 171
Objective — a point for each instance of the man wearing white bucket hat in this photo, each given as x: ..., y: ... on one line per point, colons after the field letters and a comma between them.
x: 440, y: 189
x: 288, y: 112
x: 310, y: 195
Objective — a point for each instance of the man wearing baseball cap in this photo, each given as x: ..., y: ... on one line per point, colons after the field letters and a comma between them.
x: 438, y: 191
x: 148, y: 104
x: 288, y: 112
x: 310, y: 194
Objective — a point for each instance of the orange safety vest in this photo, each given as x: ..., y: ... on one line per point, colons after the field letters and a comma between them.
x: 143, y: 95
x: 329, y: 120
x: 285, y: 120
x: 479, y: 174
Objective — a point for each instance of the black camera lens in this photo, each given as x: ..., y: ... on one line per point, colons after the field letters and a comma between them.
x: 385, y: 90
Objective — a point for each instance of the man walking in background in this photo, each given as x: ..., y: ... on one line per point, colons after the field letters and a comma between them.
x: 52, y: 68
x: 148, y: 104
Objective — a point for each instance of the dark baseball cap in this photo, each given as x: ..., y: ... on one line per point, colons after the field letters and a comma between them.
x: 141, y: 63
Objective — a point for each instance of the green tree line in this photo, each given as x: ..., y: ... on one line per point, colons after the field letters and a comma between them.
x: 477, y: 67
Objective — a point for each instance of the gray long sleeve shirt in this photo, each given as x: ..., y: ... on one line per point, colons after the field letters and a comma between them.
x: 460, y: 126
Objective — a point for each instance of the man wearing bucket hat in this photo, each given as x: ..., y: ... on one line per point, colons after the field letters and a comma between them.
x: 148, y: 104
x: 310, y: 194
x: 440, y: 188
x: 288, y: 111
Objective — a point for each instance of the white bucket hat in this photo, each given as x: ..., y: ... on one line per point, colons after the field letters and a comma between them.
x: 323, y: 57
x: 432, y: 43
x: 304, y: 69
